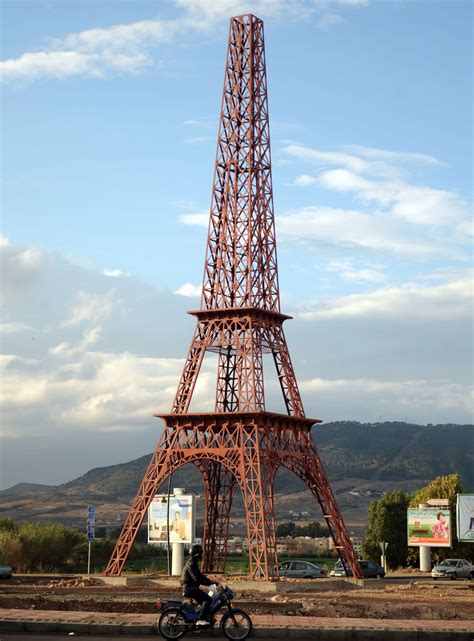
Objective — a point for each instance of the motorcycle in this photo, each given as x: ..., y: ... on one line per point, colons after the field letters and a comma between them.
x: 180, y: 617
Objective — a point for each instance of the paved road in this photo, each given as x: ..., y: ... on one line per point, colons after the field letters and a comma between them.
x: 10, y: 636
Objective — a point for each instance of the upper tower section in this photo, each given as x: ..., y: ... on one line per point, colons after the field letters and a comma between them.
x: 241, y: 262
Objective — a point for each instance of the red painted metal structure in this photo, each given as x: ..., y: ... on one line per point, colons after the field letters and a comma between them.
x: 240, y: 445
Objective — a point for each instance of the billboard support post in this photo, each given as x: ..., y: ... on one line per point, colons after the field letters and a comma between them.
x: 177, y: 559
x: 178, y: 548
x: 425, y: 558
x: 425, y: 550
x: 383, y: 558
x: 168, y: 552
x: 89, y: 559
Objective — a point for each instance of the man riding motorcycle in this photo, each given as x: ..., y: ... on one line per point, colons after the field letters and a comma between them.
x: 192, y: 578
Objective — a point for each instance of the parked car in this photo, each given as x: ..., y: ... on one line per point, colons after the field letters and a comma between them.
x: 370, y: 570
x: 5, y: 572
x: 453, y: 569
x: 296, y: 569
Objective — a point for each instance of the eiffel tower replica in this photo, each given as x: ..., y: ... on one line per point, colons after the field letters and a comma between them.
x: 240, y: 446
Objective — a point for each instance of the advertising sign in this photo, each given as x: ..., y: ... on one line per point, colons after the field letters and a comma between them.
x: 429, y: 526
x: 465, y: 517
x: 181, y: 519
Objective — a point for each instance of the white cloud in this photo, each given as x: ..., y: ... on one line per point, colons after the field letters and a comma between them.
x: 350, y: 271
x: 305, y: 180
x: 201, y: 219
x: 88, y: 306
x: 362, y: 160
x: 114, y: 273
x: 357, y: 230
x: 65, y: 64
x: 318, y: 157
x: 423, y: 400
x: 397, y: 215
x: 100, y: 392
x: 390, y: 351
x: 13, y: 328
x: 128, y: 48
x: 419, y: 205
x: 393, y: 156
x: 343, y: 180
x: 90, y: 337
x: 446, y: 302
x: 189, y: 290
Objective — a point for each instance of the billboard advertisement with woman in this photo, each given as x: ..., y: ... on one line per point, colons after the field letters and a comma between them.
x: 429, y: 526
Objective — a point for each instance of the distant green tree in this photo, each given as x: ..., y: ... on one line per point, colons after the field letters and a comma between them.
x: 313, y: 529
x: 286, y: 529
x: 442, y: 487
x: 387, y: 522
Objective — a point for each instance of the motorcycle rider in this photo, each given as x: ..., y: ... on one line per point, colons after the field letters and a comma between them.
x: 192, y: 578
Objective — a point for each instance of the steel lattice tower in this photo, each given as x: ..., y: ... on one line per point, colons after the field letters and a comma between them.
x: 240, y: 445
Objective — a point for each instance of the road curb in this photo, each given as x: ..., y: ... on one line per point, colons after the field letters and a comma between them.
x: 261, y: 632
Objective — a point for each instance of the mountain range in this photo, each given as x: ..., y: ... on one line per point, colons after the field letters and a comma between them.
x: 362, y: 461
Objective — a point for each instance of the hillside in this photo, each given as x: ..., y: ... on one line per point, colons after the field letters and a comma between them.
x: 380, y: 452
x: 362, y: 462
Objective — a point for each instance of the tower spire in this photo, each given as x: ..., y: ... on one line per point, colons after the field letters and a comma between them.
x: 241, y: 264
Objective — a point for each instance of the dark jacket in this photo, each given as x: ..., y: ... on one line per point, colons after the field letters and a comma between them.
x: 191, y: 576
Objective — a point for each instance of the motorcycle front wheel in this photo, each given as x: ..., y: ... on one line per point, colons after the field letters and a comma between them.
x: 236, y: 625
x: 172, y: 624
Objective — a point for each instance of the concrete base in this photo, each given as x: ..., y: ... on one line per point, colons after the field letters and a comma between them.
x: 315, y: 585
x: 274, y: 587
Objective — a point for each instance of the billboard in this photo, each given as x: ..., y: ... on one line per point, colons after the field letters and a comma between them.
x: 181, y: 519
x: 429, y: 526
x: 465, y: 517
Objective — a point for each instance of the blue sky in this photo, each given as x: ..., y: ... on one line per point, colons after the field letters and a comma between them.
x: 110, y: 114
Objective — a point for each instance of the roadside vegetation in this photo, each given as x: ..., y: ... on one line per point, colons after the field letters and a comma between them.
x: 40, y: 547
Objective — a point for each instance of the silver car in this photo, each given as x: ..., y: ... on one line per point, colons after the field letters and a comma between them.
x: 296, y: 569
x: 453, y: 569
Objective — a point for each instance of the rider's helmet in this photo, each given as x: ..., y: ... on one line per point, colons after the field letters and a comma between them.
x: 196, y: 550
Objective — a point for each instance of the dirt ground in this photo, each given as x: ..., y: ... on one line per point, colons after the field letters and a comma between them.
x: 390, y: 600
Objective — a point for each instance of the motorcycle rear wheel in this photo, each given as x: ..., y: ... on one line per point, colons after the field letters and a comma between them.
x: 236, y: 625
x: 172, y: 624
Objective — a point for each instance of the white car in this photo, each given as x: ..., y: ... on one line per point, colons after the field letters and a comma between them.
x: 453, y: 569
x: 296, y: 569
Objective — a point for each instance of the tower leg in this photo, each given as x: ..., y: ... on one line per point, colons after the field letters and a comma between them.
x: 311, y: 471
x: 257, y: 478
x: 220, y: 485
x: 163, y: 463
